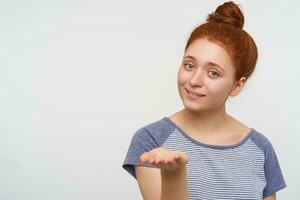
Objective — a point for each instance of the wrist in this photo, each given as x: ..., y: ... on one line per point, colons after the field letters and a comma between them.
x: 167, y: 171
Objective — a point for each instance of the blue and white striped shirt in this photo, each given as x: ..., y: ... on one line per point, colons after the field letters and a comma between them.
x: 248, y: 169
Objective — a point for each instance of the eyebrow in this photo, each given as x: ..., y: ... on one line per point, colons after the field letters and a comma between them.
x: 210, y: 63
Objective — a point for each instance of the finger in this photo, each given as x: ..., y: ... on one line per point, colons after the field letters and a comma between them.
x: 163, y: 163
x: 181, y: 160
x: 170, y: 163
x: 157, y: 162
x: 145, y: 157
x: 142, y: 159
x: 166, y: 162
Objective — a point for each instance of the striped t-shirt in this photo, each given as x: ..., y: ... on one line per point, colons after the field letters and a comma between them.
x: 248, y: 169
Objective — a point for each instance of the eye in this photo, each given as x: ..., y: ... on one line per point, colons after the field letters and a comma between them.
x: 214, y: 74
x: 188, y: 65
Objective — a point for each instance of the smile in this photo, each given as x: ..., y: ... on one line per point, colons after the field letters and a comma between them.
x: 194, y: 96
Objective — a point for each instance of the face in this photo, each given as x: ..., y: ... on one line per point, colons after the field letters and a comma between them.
x: 206, y: 69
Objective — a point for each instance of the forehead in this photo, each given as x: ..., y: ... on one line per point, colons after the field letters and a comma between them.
x: 206, y: 51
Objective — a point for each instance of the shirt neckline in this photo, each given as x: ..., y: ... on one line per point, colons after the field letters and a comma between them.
x: 213, y: 146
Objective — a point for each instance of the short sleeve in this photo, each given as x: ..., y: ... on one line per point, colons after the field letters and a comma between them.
x: 273, y: 174
x: 141, y: 142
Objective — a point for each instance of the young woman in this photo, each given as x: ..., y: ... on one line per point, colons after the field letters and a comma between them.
x: 201, y: 152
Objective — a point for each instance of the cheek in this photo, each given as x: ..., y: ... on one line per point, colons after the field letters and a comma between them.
x: 217, y: 88
x: 183, y: 78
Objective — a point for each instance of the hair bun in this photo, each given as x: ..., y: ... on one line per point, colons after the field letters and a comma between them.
x: 228, y: 13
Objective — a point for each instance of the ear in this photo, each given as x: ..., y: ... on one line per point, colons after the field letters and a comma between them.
x: 237, y: 87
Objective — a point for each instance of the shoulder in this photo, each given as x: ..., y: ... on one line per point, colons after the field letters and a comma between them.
x: 262, y: 141
x: 157, y: 131
x: 259, y: 137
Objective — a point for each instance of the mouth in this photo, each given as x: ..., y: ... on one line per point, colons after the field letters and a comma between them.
x: 195, y: 94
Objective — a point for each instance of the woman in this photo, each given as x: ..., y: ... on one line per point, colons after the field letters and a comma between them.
x: 201, y: 152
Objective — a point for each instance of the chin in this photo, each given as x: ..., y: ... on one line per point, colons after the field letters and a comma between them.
x: 194, y: 107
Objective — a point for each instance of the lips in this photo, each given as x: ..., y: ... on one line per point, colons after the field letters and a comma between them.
x: 198, y: 94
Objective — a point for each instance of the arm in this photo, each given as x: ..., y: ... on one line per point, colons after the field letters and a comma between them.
x: 271, y: 197
x: 174, y: 184
x: 157, y: 184
x: 149, y: 182
x: 169, y: 181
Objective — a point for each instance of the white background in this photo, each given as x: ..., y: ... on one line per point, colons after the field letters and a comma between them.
x: 78, y: 78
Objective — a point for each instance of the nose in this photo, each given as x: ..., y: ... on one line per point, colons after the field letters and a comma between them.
x: 197, y: 78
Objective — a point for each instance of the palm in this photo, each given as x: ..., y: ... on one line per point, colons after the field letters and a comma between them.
x: 164, y: 158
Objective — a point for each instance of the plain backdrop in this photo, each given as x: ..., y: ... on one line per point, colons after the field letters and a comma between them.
x: 78, y: 78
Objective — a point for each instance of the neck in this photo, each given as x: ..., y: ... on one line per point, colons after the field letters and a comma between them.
x: 206, y: 122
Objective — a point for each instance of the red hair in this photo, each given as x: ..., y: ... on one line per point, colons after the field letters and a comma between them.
x: 224, y: 26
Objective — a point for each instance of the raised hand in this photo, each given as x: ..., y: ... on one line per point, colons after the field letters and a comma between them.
x: 164, y: 158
